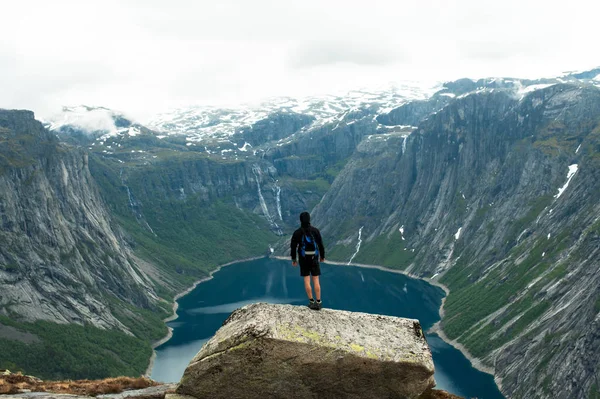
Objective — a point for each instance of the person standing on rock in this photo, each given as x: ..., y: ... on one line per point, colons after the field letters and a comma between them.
x: 307, y: 247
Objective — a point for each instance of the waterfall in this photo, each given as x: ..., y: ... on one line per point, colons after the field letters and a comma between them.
x: 138, y: 214
x: 150, y: 228
x: 404, y: 145
x: 277, y: 191
x: 129, y: 196
x: 257, y: 173
x: 357, y: 245
x: 261, y: 199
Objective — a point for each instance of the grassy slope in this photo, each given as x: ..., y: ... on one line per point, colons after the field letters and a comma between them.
x: 85, y: 351
x: 73, y: 351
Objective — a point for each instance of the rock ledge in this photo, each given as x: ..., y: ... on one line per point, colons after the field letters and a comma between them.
x: 266, y: 350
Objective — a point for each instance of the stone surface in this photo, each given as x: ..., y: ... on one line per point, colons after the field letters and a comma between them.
x: 437, y: 394
x: 177, y: 396
x: 156, y: 392
x: 287, y: 351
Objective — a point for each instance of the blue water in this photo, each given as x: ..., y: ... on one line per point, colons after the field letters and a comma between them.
x: 202, y: 312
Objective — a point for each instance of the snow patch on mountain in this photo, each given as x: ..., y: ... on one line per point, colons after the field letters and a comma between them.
x: 570, y: 174
x: 200, y: 123
x: 244, y: 148
x: 457, y: 235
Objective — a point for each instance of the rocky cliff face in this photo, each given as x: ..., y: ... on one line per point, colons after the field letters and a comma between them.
x: 498, y: 198
x: 274, y: 127
x: 61, y: 258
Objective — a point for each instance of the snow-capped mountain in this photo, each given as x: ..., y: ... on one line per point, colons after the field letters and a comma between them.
x: 200, y: 123
x: 245, y: 130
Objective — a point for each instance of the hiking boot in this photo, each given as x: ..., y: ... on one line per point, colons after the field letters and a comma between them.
x: 312, y: 304
x: 318, y: 305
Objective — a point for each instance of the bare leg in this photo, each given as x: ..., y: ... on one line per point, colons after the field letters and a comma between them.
x: 317, y: 285
x: 307, y: 287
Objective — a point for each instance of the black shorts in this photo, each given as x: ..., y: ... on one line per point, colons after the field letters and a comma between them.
x: 309, y: 266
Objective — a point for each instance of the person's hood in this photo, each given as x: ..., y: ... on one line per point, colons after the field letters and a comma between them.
x: 305, y: 219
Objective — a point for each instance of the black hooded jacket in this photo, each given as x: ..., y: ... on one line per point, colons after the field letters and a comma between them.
x: 297, y: 240
x: 306, y: 228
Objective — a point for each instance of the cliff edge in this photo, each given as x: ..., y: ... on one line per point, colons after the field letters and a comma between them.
x: 265, y: 350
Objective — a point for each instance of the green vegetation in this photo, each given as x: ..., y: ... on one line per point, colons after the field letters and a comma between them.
x: 594, y: 391
x: 549, y: 146
x: 473, y: 297
x: 481, y: 343
x: 9, y: 267
x: 490, y: 293
x: 536, y: 207
x: 555, y: 138
x: 13, y: 153
x: 20, y: 150
x: 318, y: 186
x: 334, y: 170
x: 460, y: 206
x: 392, y: 252
x: 340, y: 253
x: 190, y: 238
x: 186, y: 238
x: 145, y: 324
x: 592, y: 145
x: 73, y: 351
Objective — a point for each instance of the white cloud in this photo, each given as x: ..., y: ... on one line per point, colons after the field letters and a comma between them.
x: 324, y: 52
x: 89, y: 120
x: 143, y: 57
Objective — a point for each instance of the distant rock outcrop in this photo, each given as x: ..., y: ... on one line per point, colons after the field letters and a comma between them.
x: 287, y: 351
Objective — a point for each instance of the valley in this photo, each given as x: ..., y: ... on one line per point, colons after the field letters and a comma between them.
x: 489, y: 186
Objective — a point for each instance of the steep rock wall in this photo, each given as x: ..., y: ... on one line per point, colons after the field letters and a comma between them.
x: 61, y: 258
x: 477, y: 197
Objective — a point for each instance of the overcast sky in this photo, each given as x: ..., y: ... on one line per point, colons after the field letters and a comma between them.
x: 146, y: 56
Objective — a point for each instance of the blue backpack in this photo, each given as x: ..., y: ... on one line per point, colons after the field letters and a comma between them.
x: 309, y: 245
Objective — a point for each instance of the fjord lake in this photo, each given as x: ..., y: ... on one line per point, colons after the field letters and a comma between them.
x: 369, y: 290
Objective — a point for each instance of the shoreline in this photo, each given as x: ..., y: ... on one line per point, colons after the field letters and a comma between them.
x: 174, y: 315
x: 435, y: 329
